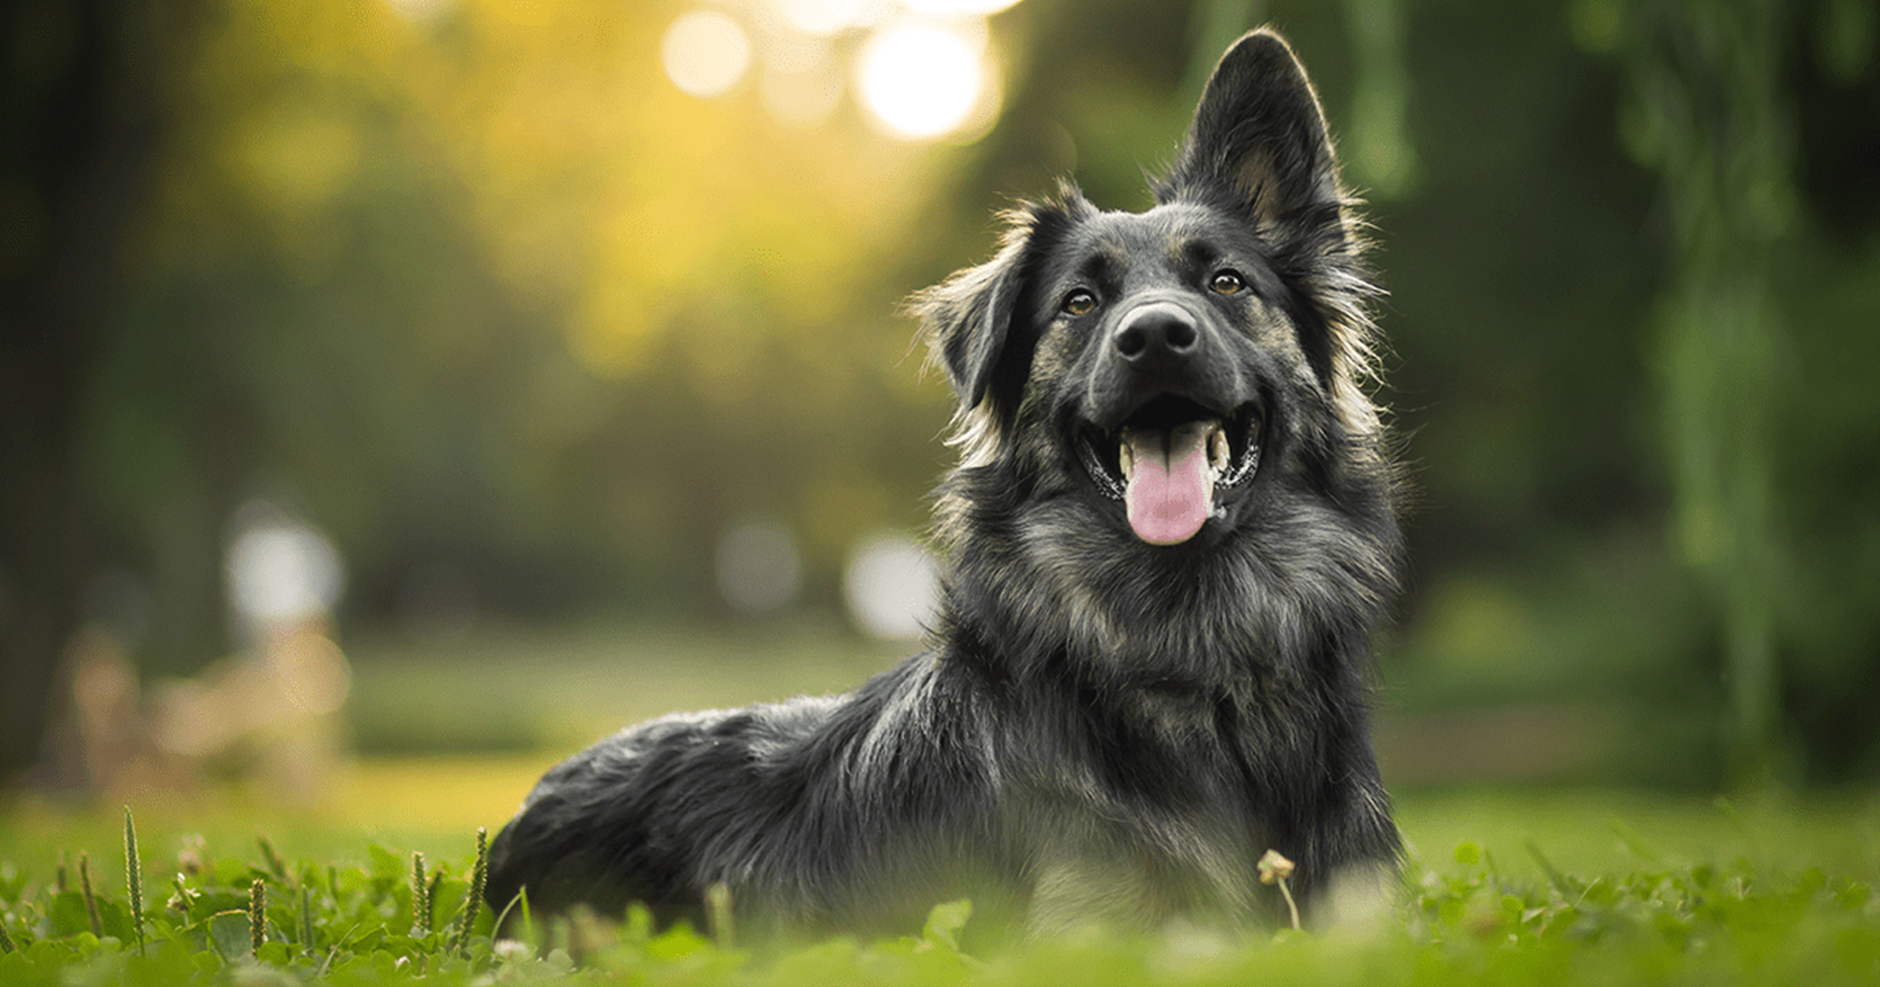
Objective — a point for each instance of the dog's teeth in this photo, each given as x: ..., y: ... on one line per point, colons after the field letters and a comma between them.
x: 1125, y: 460
x: 1219, y: 454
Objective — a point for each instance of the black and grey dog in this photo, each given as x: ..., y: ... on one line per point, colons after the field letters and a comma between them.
x: 1170, y: 536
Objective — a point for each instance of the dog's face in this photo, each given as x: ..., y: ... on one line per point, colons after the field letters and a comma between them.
x: 1160, y: 347
x: 1161, y: 412
x: 1171, y: 353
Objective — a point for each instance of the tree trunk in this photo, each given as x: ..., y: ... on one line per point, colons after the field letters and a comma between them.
x: 80, y: 122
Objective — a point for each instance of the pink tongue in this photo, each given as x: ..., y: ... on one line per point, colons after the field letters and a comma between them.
x: 1170, y: 492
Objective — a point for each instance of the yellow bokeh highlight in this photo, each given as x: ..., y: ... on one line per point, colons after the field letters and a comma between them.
x: 634, y: 215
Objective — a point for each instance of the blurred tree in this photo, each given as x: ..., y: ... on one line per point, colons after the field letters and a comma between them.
x: 1825, y: 464
x: 76, y: 85
x: 1709, y: 114
x: 1731, y: 103
x: 473, y: 284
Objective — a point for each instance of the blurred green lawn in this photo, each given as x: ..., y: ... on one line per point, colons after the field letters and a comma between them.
x: 521, y: 688
x: 453, y: 732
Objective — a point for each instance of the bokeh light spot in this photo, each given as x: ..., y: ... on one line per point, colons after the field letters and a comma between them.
x: 890, y: 586
x: 922, y: 80
x: 705, y: 53
x: 823, y: 18
x: 281, y: 570
x: 958, y: 8
x: 419, y: 11
x: 758, y: 566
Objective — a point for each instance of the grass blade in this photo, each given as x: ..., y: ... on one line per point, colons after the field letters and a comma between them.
x: 1563, y: 885
x: 257, y: 914
x: 519, y: 905
x: 479, y: 873
x: 306, y: 918
x: 420, y: 898
x: 134, y: 875
x: 91, y: 900
x: 276, y: 865
x: 430, y: 892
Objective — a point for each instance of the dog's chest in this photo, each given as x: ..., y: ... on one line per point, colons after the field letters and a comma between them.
x: 1135, y: 834
x: 1138, y: 873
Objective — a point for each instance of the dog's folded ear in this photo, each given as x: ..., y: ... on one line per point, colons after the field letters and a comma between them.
x: 968, y: 317
x: 1258, y: 142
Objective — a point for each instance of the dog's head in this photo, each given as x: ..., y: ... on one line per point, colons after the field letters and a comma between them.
x: 1163, y: 363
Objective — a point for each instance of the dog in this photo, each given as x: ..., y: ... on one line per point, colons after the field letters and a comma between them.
x: 1171, y: 534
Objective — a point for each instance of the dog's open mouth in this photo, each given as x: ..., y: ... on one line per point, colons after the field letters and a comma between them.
x: 1167, y: 460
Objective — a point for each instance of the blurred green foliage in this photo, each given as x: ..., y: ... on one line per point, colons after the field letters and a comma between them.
x: 479, y: 292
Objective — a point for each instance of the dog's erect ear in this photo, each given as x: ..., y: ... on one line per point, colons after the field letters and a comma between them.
x: 1258, y: 141
x: 1258, y: 147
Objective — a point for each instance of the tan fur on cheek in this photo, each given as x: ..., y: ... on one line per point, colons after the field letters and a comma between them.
x: 1052, y: 360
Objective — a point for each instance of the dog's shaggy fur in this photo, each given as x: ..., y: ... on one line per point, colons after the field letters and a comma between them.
x: 1139, y: 679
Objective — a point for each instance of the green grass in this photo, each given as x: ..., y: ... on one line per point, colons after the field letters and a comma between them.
x: 1540, y: 888
x: 366, y: 884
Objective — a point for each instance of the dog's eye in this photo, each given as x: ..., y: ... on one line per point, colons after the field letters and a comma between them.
x: 1227, y: 282
x: 1080, y: 302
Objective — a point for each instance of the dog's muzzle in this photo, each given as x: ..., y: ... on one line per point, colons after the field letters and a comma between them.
x: 1178, y: 436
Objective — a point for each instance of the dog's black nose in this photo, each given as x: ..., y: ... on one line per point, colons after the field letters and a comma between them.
x: 1154, y: 331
